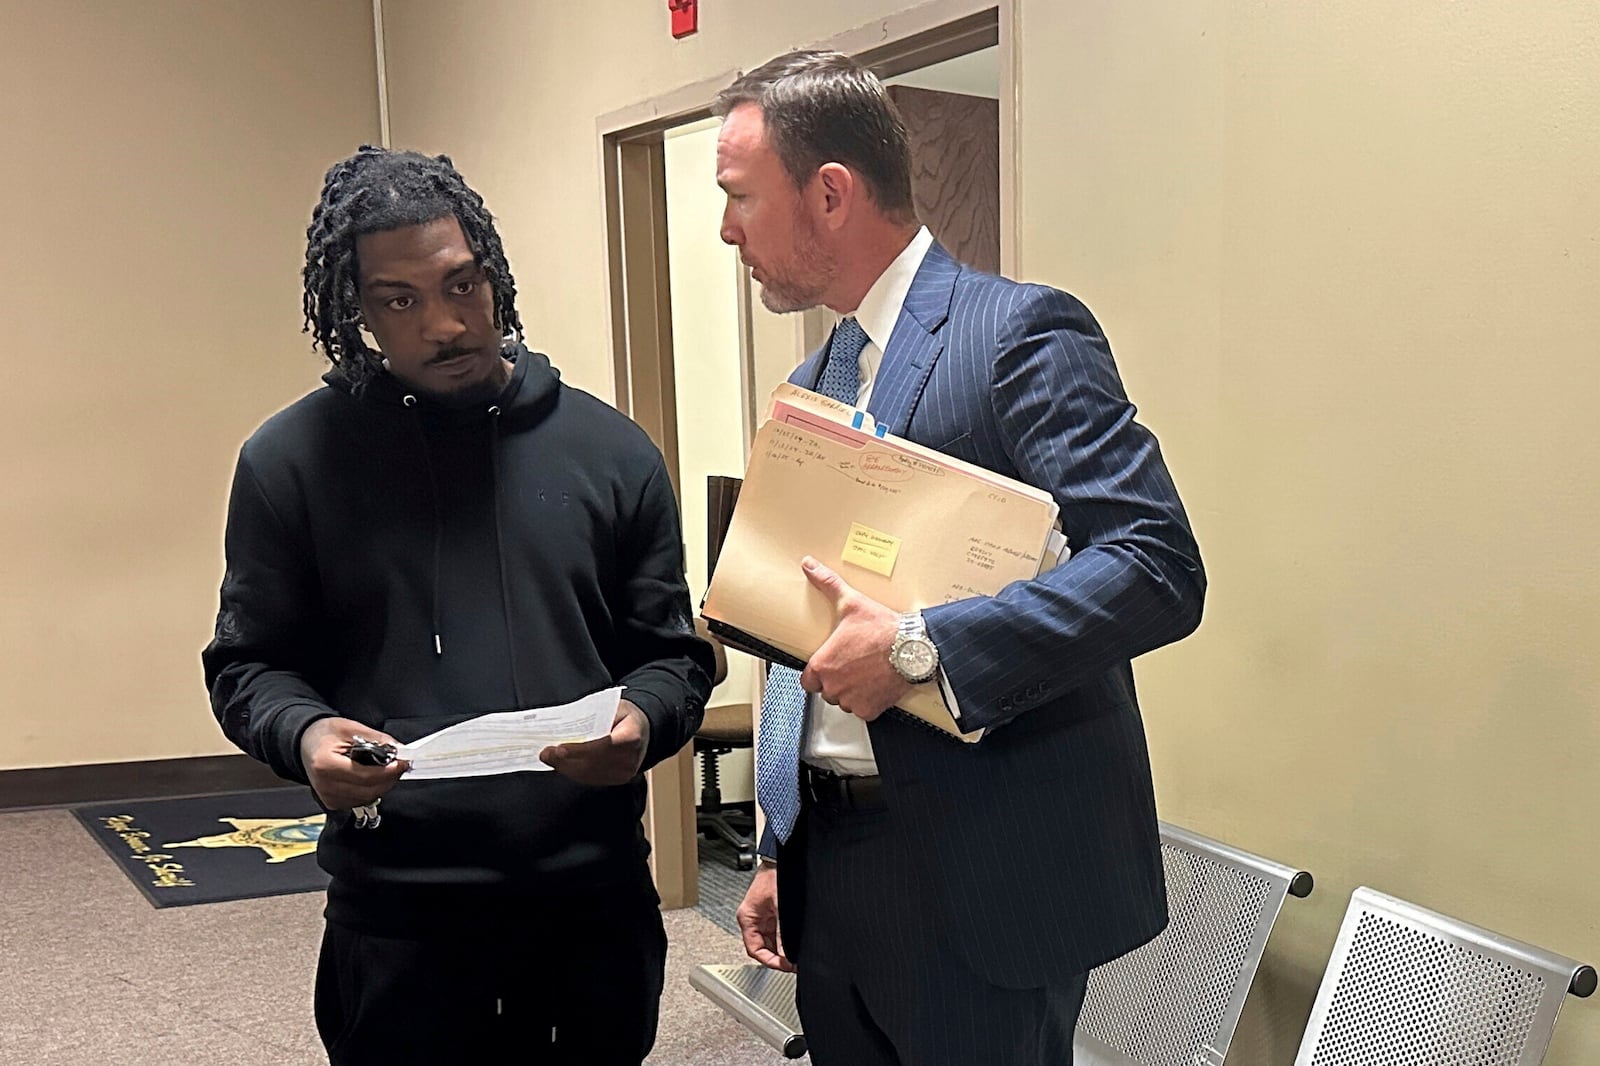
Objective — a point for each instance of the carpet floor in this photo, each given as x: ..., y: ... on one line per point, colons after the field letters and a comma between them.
x: 97, y: 977
x: 722, y: 884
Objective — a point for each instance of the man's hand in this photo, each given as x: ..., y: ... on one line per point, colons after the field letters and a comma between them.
x: 758, y: 921
x: 613, y: 759
x: 339, y: 782
x: 851, y: 670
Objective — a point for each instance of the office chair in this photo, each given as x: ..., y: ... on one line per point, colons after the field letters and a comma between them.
x: 1407, y: 986
x: 724, y: 729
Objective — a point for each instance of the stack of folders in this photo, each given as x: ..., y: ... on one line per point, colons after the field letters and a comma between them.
x: 902, y: 523
x: 722, y: 493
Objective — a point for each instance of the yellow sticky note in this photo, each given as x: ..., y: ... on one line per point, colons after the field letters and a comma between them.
x: 869, y: 548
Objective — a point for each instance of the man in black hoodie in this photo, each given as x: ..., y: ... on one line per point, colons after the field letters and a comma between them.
x: 444, y: 531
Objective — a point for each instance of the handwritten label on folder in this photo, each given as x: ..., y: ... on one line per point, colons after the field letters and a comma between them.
x: 869, y: 548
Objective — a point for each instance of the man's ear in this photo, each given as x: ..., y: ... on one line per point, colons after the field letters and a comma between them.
x: 836, y: 190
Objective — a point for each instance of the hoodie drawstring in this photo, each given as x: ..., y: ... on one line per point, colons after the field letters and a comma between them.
x: 500, y: 552
x: 438, y: 519
x: 499, y: 537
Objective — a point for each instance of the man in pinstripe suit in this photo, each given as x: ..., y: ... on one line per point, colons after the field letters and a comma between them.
x: 944, y: 902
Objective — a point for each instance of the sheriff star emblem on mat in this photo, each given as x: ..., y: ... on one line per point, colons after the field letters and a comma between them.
x: 281, y: 838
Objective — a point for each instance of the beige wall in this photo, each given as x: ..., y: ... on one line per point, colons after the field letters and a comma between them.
x: 1349, y: 256
x: 158, y: 168
x: 708, y: 386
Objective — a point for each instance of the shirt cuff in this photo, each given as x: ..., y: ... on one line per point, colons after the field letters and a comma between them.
x: 949, y: 695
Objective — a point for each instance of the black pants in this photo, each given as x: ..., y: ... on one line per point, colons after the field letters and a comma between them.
x: 877, y: 983
x: 557, y: 986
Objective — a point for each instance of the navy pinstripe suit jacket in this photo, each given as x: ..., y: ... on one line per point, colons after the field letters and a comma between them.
x: 1039, y: 844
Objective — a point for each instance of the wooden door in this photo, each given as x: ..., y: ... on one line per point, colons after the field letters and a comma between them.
x: 955, y: 170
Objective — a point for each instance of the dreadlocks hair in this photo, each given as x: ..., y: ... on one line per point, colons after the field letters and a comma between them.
x: 375, y: 190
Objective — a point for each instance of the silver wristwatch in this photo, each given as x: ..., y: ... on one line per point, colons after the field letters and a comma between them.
x: 912, y: 654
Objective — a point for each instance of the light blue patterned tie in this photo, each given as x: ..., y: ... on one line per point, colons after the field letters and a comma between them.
x: 783, y: 704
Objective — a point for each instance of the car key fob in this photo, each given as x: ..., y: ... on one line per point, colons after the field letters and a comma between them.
x: 370, y: 752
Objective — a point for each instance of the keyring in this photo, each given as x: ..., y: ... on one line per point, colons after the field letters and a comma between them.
x: 367, y: 817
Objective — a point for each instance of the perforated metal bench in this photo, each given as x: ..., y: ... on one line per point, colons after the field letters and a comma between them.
x: 1176, y: 1001
x: 762, y: 999
x: 1406, y: 986
x: 1172, y: 1002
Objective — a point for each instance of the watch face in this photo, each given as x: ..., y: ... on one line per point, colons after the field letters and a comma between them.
x: 915, y: 659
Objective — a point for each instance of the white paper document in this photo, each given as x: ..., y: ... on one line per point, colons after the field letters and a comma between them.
x: 509, y: 741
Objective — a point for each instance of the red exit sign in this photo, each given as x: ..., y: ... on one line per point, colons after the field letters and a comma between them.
x: 685, y: 16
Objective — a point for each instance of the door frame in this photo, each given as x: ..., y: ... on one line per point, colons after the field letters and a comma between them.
x: 632, y: 165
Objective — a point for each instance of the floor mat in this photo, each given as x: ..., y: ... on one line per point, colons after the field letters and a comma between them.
x: 204, y: 849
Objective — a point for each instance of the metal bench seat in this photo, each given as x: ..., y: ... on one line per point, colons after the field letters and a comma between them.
x: 1173, y: 1002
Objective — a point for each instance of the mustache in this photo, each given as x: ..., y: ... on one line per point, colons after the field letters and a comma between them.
x: 449, y: 354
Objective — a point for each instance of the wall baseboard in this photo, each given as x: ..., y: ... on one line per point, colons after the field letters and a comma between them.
x: 67, y: 786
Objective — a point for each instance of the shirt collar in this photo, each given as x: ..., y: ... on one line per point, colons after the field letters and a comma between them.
x: 880, y: 307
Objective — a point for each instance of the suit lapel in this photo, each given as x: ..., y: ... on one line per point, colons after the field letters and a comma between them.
x: 915, y: 343
x: 808, y: 373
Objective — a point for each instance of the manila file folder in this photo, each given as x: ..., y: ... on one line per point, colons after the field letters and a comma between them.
x: 901, y: 523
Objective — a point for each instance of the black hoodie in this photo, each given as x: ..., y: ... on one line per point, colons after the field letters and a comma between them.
x: 411, y: 565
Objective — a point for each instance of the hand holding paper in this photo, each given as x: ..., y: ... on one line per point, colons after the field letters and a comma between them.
x: 612, y: 759
x: 510, y: 741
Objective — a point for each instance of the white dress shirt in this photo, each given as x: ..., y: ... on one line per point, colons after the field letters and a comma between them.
x: 836, y: 741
